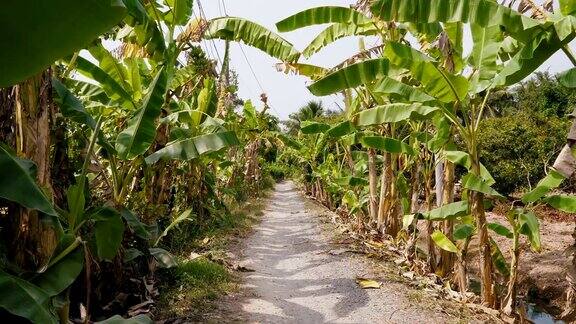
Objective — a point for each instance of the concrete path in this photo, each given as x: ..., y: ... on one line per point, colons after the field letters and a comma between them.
x: 298, y: 278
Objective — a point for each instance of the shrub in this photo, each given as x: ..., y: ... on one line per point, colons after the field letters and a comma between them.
x: 278, y: 171
x: 517, y: 149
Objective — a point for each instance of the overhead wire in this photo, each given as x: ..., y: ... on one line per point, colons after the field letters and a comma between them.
x: 203, y: 15
x: 222, y: 6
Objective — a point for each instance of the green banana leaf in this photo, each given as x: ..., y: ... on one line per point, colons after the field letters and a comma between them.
x: 386, y: 144
x: 322, y: 15
x: 562, y: 202
x: 537, y: 49
x: 108, y: 232
x: 184, y: 216
x: 472, y: 182
x: 310, y: 71
x: 180, y: 11
x: 394, y: 113
x: 530, y: 227
x: 436, y: 81
x: 351, y: 181
x: 111, y: 87
x: 141, y: 130
x: 389, y: 86
x: 64, y: 272
x: 20, y: 186
x: 568, y: 78
x: 463, y: 231
x: 208, y: 99
x: 238, y: 29
x: 552, y: 180
x: 136, y: 10
x: 70, y: 106
x: 500, y: 230
x: 139, y: 228
x: 463, y: 159
x: 567, y: 7
x: 183, y: 75
x: 312, y: 127
x: 113, y: 68
x: 498, y: 259
x: 448, y: 211
x: 427, y: 31
x: 455, y: 33
x: 351, y: 77
x: 484, y: 13
x: 192, y: 148
x: 38, y: 32
x: 444, y: 242
x: 341, y: 129
x: 484, y: 57
x: 335, y: 32
x: 163, y: 257
x: 24, y: 299
x: 289, y: 141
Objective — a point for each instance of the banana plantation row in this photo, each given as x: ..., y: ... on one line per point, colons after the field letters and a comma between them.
x: 414, y: 105
x: 106, y: 153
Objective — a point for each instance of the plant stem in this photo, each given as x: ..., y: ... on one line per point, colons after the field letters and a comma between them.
x: 569, y: 54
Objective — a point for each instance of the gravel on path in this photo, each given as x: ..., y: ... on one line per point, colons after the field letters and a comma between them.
x: 299, y: 276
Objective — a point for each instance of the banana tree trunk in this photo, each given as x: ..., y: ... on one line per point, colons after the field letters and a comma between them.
x: 439, y: 182
x: 487, y: 286
x: 251, y: 174
x: 410, y: 251
x: 431, y: 259
x: 384, y: 188
x: 509, y: 308
x: 373, y: 177
x: 460, y: 268
x: 33, y: 241
x: 447, y: 258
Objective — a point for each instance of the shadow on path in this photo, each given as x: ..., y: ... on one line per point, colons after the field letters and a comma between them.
x: 296, y: 280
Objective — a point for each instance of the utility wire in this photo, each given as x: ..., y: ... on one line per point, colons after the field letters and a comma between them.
x: 203, y: 15
x: 224, y: 6
x: 246, y: 58
x: 254, y: 75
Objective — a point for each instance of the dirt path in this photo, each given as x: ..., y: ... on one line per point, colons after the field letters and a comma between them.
x: 298, y: 278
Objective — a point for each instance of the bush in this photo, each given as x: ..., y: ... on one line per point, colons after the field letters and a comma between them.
x: 278, y: 171
x: 517, y: 149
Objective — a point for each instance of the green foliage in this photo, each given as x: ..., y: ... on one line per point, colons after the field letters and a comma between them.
x: 278, y: 171
x: 21, y: 187
x: 516, y: 149
x: 25, y: 299
x: 322, y: 15
x: 40, y: 33
x: 231, y: 28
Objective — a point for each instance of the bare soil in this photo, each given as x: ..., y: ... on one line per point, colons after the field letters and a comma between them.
x: 542, y: 274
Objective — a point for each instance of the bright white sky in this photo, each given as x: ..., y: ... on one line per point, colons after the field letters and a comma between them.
x: 287, y: 93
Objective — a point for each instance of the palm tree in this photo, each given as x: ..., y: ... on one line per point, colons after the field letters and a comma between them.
x: 311, y: 110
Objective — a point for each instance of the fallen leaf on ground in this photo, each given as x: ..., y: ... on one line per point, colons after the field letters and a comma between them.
x: 368, y: 283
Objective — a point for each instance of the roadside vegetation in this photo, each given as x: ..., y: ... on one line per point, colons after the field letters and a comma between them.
x: 124, y: 149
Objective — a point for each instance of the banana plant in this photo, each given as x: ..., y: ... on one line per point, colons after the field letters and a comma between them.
x: 39, y: 34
